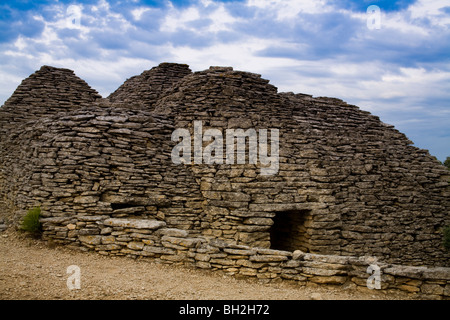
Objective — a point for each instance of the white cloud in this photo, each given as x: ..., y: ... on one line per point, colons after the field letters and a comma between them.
x: 420, y: 18
x: 138, y: 12
x: 101, y: 5
x: 431, y: 9
x: 20, y: 43
x: 180, y: 19
x: 222, y: 20
x: 8, y: 83
x: 105, y: 76
x: 211, y: 17
x: 400, y: 22
x: 238, y: 54
x: 301, y: 46
x: 288, y: 9
x: 206, y: 3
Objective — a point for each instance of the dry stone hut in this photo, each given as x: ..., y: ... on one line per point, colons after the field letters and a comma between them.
x: 143, y: 91
x: 102, y: 170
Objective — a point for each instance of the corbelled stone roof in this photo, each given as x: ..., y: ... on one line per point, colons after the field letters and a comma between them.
x: 349, y: 183
x: 143, y: 90
x: 49, y: 90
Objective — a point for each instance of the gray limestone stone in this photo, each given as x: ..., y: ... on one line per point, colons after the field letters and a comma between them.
x: 135, y: 223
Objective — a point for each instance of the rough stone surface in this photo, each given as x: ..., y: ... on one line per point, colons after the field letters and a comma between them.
x: 347, y: 185
x: 135, y: 223
x: 144, y: 90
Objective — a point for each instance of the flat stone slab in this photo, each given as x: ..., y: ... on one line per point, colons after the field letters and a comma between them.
x: 268, y: 258
x: 438, y: 273
x: 55, y: 220
x: 91, y: 239
x: 135, y: 223
x: 273, y: 252
x: 406, y: 271
x: 173, y: 232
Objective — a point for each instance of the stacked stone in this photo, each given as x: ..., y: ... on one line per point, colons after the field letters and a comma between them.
x: 381, y: 178
x: 47, y: 91
x: 352, y: 174
x: 350, y: 184
x: 143, y: 91
x: 101, y: 161
x: 217, y: 97
x: 152, y: 239
x: 240, y: 260
x: 428, y: 282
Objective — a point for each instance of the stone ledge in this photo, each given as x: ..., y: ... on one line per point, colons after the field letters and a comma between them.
x: 178, y: 246
x: 135, y: 223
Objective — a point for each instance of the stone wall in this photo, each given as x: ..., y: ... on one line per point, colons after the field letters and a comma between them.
x: 47, y: 91
x: 368, y: 190
x: 101, y: 161
x: 350, y: 184
x: 143, y: 91
x: 152, y: 239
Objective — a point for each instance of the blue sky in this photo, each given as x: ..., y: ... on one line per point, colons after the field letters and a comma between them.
x: 399, y: 71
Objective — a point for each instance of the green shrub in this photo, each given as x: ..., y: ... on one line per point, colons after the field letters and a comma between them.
x: 447, y: 162
x: 446, y: 231
x: 31, y: 222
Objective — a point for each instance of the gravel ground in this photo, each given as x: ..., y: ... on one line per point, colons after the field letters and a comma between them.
x: 31, y: 270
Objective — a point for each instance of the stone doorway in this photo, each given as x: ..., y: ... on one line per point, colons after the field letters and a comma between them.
x: 290, y: 230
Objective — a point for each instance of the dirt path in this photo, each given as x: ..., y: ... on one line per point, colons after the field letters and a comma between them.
x: 29, y: 269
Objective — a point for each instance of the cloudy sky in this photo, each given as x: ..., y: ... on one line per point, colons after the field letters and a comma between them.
x: 393, y: 62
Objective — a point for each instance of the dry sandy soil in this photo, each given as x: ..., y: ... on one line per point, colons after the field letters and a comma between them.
x: 31, y: 270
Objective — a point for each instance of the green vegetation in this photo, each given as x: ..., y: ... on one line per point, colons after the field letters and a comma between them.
x: 446, y: 232
x: 447, y: 162
x: 31, y: 222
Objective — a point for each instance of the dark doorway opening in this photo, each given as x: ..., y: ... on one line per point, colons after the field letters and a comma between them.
x: 121, y: 210
x: 290, y: 230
